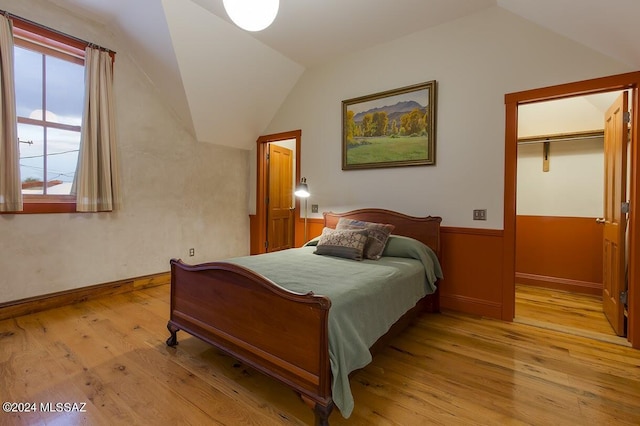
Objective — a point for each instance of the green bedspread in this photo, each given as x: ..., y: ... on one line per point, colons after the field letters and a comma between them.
x: 367, y: 297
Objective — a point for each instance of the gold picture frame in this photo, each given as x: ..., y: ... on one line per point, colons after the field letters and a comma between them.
x: 390, y: 129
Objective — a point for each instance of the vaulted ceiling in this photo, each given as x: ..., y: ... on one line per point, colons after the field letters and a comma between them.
x: 225, y: 84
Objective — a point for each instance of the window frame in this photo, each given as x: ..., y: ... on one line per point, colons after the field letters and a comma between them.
x: 48, y: 42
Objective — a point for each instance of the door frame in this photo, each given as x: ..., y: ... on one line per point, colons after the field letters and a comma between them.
x: 261, y: 183
x: 628, y: 81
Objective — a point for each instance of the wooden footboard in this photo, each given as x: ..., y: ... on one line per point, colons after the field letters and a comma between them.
x: 275, y: 331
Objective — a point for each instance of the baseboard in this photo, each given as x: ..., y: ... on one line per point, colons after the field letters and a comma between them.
x: 55, y: 300
x: 471, y: 305
x: 563, y: 284
x: 616, y: 340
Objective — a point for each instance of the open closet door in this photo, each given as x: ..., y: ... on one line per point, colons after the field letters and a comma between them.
x: 279, y: 210
x: 615, y: 182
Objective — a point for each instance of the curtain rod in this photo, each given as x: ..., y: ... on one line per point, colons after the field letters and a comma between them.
x: 44, y: 27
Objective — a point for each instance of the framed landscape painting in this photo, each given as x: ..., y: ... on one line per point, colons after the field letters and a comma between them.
x: 390, y: 129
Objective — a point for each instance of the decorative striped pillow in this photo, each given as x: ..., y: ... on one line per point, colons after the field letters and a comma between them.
x: 378, y: 235
x: 342, y: 243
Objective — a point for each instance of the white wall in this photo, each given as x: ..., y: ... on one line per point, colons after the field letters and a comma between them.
x: 574, y: 184
x: 570, y: 115
x: 476, y: 60
x: 177, y: 193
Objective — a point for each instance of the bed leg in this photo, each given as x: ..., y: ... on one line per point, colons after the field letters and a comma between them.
x: 173, y: 339
x: 322, y: 414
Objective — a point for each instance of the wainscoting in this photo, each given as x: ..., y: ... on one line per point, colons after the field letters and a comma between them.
x: 563, y: 253
x: 472, y: 263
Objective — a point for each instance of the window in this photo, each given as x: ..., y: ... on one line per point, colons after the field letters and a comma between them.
x: 49, y: 84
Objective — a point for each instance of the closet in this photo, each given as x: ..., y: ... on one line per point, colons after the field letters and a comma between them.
x: 560, y: 193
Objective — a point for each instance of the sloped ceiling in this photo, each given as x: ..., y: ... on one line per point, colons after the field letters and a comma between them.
x: 610, y: 27
x: 234, y: 84
x: 225, y: 84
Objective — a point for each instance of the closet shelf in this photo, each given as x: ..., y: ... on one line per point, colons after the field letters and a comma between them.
x: 590, y: 134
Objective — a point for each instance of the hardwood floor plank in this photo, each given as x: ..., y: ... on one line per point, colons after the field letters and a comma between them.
x: 38, y: 375
x: 149, y: 327
x: 80, y: 351
x: 438, y: 403
x: 516, y: 392
x: 446, y: 369
x: 572, y: 310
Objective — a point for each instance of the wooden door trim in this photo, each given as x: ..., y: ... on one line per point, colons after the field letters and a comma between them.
x: 598, y: 85
x: 261, y: 184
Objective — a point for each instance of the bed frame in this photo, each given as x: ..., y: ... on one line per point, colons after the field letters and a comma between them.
x: 280, y: 333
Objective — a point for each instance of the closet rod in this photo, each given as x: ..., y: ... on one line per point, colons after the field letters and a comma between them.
x: 35, y: 24
x: 557, y: 140
x: 561, y: 137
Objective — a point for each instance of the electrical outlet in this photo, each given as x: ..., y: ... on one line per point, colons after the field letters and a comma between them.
x: 480, y: 214
x: 192, y: 252
x: 314, y: 208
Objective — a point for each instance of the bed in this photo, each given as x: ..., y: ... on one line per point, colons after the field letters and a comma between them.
x: 290, y: 330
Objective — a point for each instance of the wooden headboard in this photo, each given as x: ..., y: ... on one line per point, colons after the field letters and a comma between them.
x: 425, y: 229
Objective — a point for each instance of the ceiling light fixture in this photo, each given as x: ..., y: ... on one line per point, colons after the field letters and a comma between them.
x: 252, y: 15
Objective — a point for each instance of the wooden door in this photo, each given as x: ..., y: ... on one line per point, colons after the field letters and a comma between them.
x: 615, y: 190
x: 280, y: 198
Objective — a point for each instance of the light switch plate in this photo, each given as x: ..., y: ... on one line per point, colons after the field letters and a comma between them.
x: 480, y: 214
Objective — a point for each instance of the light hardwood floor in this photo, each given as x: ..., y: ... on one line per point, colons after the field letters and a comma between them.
x: 569, y: 312
x: 447, y: 369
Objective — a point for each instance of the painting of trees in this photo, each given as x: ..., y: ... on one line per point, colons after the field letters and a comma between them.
x: 394, y: 128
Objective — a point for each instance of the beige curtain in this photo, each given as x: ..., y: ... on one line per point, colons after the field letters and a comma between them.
x: 96, y: 179
x: 10, y: 184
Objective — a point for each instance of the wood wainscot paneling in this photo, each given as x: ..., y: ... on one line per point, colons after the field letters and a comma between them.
x: 314, y: 228
x: 254, y: 235
x: 55, y: 300
x: 472, y: 266
x: 471, y: 261
x: 563, y: 253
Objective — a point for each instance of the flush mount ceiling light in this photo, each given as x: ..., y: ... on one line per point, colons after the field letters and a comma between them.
x: 252, y: 15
